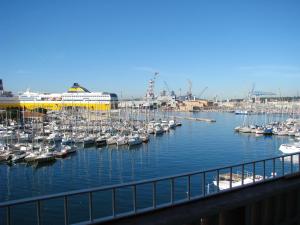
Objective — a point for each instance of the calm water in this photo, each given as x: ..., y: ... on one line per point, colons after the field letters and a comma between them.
x: 194, y: 146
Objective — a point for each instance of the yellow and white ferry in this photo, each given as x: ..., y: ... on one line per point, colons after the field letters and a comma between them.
x: 77, y: 96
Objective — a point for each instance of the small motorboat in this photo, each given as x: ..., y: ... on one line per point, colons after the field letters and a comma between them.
x: 66, y: 150
x: 289, y: 148
x: 5, y: 156
x: 112, y: 140
x: 144, y: 138
x: 235, y: 179
x: 31, y: 157
x: 88, y: 141
x: 172, y: 124
x: 45, y: 157
x: 122, y: 141
x: 101, y: 141
x: 18, y: 156
x: 158, y: 130
x: 134, y: 140
x: 245, y: 130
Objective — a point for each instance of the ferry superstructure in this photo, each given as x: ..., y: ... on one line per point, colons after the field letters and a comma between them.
x: 77, y: 96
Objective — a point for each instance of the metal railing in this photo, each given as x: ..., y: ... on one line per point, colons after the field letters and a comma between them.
x: 276, y: 166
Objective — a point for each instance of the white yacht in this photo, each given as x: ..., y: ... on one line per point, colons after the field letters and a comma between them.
x: 172, y: 124
x: 158, y: 129
x: 134, y: 140
x: 236, y: 180
x: 289, y: 148
x: 123, y: 140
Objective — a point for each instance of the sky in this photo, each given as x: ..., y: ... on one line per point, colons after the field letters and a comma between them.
x: 117, y: 46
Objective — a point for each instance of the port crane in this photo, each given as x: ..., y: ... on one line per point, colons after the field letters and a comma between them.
x: 216, y: 99
x: 150, y: 90
x: 189, y: 93
x: 256, y: 94
x: 202, y: 92
x: 262, y: 93
x: 167, y: 86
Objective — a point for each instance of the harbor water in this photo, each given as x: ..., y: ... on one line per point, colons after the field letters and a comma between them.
x: 193, y: 146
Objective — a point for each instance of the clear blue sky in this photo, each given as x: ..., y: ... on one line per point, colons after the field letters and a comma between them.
x: 117, y: 45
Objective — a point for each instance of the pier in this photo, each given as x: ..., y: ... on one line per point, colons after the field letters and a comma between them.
x: 267, y: 199
x: 196, y: 119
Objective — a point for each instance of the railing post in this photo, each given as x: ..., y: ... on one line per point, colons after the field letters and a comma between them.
x: 8, y: 215
x: 66, y: 215
x: 91, y: 206
x: 172, y: 191
x: 154, y: 194
x: 243, y: 173
x: 282, y: 165
x: 189, y: 187
x: 292, y: 165
x: 230, y: 178
x: 134, y: 198
x: 299, y: 161
x: 218, y: 180
x: 203, y: 184
x: 264, y: 173
x: 253, y: 167
x: 274, y: 168
x: 114, y: 202
x: 38, y: 211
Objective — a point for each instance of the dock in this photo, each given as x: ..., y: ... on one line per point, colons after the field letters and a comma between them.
x: 196, y: 119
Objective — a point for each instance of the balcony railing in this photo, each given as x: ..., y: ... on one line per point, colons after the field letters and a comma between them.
x: 177, y: 189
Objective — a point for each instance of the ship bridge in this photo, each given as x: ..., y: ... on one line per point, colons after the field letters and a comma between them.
x: 76, y: 88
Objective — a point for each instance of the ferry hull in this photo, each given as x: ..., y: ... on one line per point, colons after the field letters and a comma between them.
x: 57, y: 105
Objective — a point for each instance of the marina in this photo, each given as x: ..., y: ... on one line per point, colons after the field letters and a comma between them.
x: 92, y: 167
x: 290, y: 127
x: 42, y: 139
x: 112, y: 164
x: 86, y: 142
